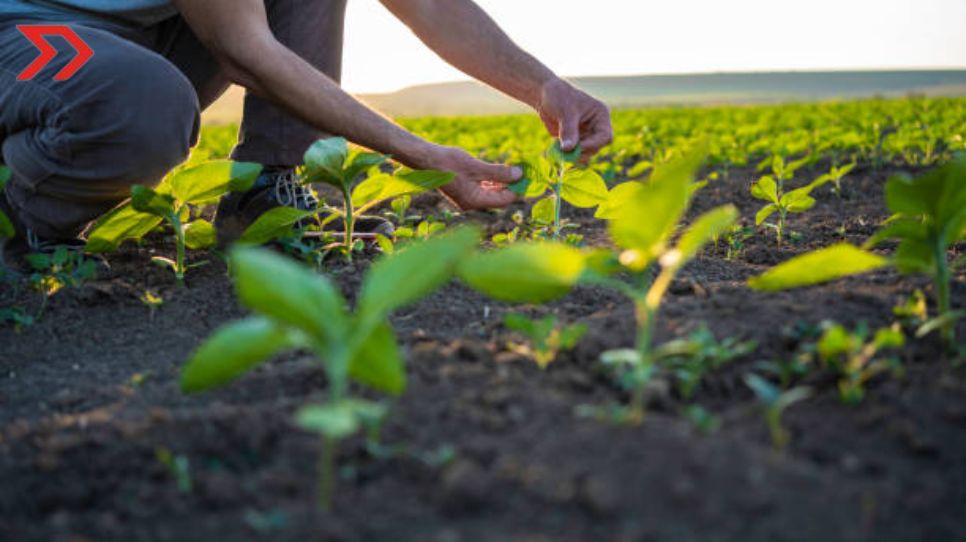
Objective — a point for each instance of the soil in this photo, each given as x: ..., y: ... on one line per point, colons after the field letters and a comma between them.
x: 488, y: 445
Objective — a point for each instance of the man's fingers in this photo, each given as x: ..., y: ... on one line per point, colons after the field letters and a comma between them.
x: 569, y: 132
x: 502, y: 174
x: 493, y: 199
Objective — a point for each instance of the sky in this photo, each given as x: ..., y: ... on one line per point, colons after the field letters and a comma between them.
x: 630, y: 37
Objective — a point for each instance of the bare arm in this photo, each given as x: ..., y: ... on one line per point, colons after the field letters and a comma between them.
x: 466, y: 37
x: 238, y: 35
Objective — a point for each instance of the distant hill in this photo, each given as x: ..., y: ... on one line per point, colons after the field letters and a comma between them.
x: 470, y: 98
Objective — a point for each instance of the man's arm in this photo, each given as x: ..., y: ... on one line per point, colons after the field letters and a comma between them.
x: 238, y: 35
x: 466, y: 37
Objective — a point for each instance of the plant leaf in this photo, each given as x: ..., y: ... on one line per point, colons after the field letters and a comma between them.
x: 583, y: 188
x: 289, y: 293
x: 817, y: 267
x: 5, y: 175
x: 200, y: 234
x: 334, y: 420
x: 705, y: 228
x: 382, y: 187
x: 211, y: 180
x: 765, y: 189
x: 413, y: 272
x: 555, y: 154
x: 6, y: 226
x: 324, y: 161
x: 616, y: 199
x: 231, y: 351
x: 121, y: 224
x: 146, y: 200
x: 764, y: 213
x: 378, y: 362
x: 359, y: 162
x: 525, y: 272
x: 273, y: 224
x: 543, y: 211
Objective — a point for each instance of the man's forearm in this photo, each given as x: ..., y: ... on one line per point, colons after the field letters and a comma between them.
x: 466, y: 37
x: 252, y: 57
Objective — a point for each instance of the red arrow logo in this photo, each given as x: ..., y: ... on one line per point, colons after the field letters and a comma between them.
x: 36, y: 35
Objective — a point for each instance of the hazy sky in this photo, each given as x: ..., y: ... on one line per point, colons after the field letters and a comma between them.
x: 606, y: 37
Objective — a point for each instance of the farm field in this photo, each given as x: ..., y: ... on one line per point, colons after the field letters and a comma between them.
x: 98, y: 441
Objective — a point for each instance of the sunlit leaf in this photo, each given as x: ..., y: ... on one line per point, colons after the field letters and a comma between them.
x: 525, y: 272
x: 273, y: 224
x: 817, y: 267
x: 210, y: 180
x: 200, y: 234
x: 379, y: 363
x: 583, y: 188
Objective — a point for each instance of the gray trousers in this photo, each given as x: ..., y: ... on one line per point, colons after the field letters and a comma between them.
x: 131, y: 113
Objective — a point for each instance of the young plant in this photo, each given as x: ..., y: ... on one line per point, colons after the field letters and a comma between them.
x: 557, y: 172
x: 835, y: 175
x: 172, y: 202
x: 329, y: 161
x: 854, y: 357
x: 305, y: 311
x: 643, y: 217
x: 547, y: 337
x: 63, y: 268
x: 929, y: 217
x: 735, y: 239
x: 781, y: 202
x: 691, y: 358
x: 773, y: 403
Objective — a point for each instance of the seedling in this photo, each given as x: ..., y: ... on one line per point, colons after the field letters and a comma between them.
x: 691, y: 358
x: 63, y: 268
x: 773, y: 403
x: 643, y: 217
x: 929, y: 218
x: 299, y: 310
x: 781, y: 202
x: 547, y: 337
x: 172, y: 202
x: 556, y: 171
x: 329, y: 161
x: 152, y: 301
x: 735, y: 239
x: 855, y: 358
x: 703, y: 420
x: 179, y: 466
x: 835, y: 175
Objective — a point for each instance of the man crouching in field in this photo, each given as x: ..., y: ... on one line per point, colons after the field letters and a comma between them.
x: 131, y: 113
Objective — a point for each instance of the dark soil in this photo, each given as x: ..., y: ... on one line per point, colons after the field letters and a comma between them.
x: 89, y: 394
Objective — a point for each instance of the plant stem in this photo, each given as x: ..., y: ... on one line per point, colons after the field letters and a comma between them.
x: 327, y: 473
x: 350, y: 225
x: 179, y: 269
x: 942, y: 279
x: 556, y: 210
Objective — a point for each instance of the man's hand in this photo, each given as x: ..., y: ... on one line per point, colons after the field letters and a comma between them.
x: 575, y: 117
x: 478, y: 184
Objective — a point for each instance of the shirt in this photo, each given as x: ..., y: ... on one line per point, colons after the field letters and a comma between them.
x: 138, y: 12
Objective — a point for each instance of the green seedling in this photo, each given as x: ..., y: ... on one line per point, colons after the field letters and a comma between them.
x: 855, y: 357
x: 172, y: 202
x: 556, y: 171
x: 62, y: 268
x: 179, y: 467
x: 399, y: 212
x: 691, y: 358
x: 16, y: 316
x: 735, y: 239
x: 330, y: 161
x: 929, y: 217
x: 643, y: 218
x: 702, y: 420
x: 912, y: 312
x: 783, y: 171
x: 835, y: 175
x: 299, y: 310
x: 773, y: 403
x: 781, y: 202
x: 547, y: 337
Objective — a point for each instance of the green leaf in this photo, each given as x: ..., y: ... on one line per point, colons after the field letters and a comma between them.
x: 544, y: 211
x: 556, y: 155
x: 798, y: 201
x: 536, y: 178
x: 525, y: 272
x: 765, y: 189
x: 817, y: 267
x: 520, y: 323
x: 766, y: 392
x: 5, y: 175
x: 914, y: 256
x: 211, y: 180
x: 231, y: 351
x: 359, y: 162
x: 889, y: 337
x: 378, y: 362
x: 334, y: 420
x: 273, y: 224
x: 708, y: 226
x: 117, y: 226
x: 648, y: 218
x: 324, y: 161
x: 616, y: 199
x: 146, y: 200
x: 413, y: 272
x: 6, y: 226
x: 583, y: 188
x: 382, y: 187
x: 200, y: 234
x: 764, y: 213
x: 289, y: 293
